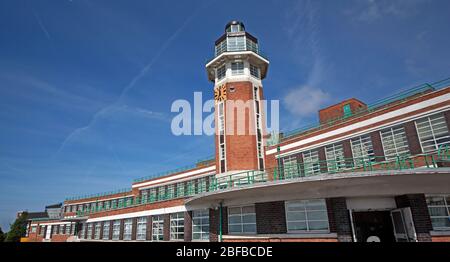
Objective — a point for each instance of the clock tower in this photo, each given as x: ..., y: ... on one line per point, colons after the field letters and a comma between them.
x: 237, y: 71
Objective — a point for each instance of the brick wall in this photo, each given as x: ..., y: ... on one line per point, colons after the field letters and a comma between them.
x: 323, y: 159
x: 270, y: 218
x: 337, y: 111
x: 134, y: 228
x: 447, y: 118
x: 348, y: 154
x: 377, y: 146
x: 214, y: 215
x: 166, y: 230
x: 149, y: 228
x: 419, y: 211
x: 412, y: 137
x: 188, y: 226
x: 339, y: 219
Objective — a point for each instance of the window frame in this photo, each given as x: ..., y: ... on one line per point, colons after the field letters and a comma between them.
x: 306, y: 220
x: 241, y: 223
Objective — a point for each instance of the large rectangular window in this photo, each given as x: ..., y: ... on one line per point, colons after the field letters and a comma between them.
x: 394, y: 142
x: 237, y: 68
x: 89, y: 230
x: 177, y: 226
x: 97, y: 230
x: 157, y: 228
x: 433, y: 132
x: 335, y: 157
x: 116, y: 230
x: 201, y: 185
x: 439, y: 209
x: 290, y: 167
x: 242, y: 220
x: 221, y: 72
x: 254, y: 71
x: 141, y: 230
x: 362, y: 150
x: 236, y: 43
x: 306, y: 215
x: 180, y: 189
x: 311, y: 162
x: 200, y: 224
x: 106, y: 225
x: 127, y: 229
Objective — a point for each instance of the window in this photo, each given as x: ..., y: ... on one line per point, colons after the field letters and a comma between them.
x: 221, y: 47
x: 306, y: 215
x: 221, y: 72
x: 152, y: 194
x: 41, y: 230
x: 106, y: 225
x: 141, y: 230
x: 116, y: 230
x: 161, y: 193
x: 177, y: 226
x: 201, y: 185
x: 144, y: 196
x: 33, y: 229
x: 242, y: 220
x: 180, y: 189
x: 236, y: 43
x: 290, y: 166
x: 439, y: 209
x: 127, y: 229
x: 97, y: 230
x: 252, y: 46
x: 200, y: 224
x: 170, y: 191
x: 433, y: 132
x: 394, y: 142
x: 237, y: 68
x: 89, y: 230
x: 254, y: 71
x: 335, y: 157
x: 311, y: 162
x: 157, y: 228
x: 362, y: 150
x: 347, y: 110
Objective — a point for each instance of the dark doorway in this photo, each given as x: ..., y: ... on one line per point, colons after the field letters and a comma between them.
x: 374, y: 224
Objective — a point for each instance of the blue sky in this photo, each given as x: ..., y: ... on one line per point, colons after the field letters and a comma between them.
x: 86, y: 85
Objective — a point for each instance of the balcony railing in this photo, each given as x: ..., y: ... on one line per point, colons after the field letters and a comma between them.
x: 397, y: 98
x: 289, y: 172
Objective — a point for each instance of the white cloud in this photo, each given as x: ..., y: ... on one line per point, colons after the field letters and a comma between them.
x: 374, y: 10
x: 305, y: 100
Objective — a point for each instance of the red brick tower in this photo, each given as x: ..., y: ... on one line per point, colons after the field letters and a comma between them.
x: 237, y: 70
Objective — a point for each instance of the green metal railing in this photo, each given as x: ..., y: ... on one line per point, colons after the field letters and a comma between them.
x: 173, y: 171
x: 380, y: 104
x: 285, y: 172
x: 118, y: 191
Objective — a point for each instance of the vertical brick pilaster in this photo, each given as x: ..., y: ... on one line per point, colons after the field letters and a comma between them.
x: 101, y: 228
x: 149, y: 228
x: 188, y: 226
x: 413, y: 138
x: 166, y: 230
x: 270, y: 218
x: 111, y: 223
x: 447, y: 118
x: 93, y: 231
x: 85, y: 230
x: 323, y: 159
x: 348, y: 155
x: 339, y: 218
x: 122, y: 227
x: 214, y: 223
x: 134, y: 228
x: 377, y: 146
x: 419, y: 210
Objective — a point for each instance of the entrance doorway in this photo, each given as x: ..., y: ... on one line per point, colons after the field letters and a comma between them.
x: 373, y: 226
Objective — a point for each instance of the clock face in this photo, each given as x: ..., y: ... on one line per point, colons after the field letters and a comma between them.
x: 220, y: 93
